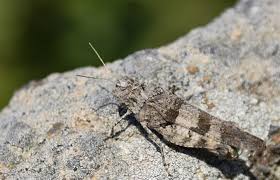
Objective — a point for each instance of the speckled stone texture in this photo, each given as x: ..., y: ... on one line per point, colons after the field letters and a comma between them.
x: 54, y: 128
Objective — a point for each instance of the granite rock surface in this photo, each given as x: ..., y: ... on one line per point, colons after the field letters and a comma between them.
x: 54, y: 128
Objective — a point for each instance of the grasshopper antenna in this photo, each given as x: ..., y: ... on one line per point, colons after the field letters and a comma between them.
x: 99, y: 57
x: 91, y: 77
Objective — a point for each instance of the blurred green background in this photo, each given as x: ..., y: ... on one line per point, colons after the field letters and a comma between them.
x: 38, y: 37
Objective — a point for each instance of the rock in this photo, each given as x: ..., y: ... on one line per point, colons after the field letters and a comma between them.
x: 54, y: 128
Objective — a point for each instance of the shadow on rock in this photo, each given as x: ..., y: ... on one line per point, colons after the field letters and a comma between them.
x: 229, y: 167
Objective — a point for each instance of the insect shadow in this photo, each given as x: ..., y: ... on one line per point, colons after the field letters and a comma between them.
x: 230, y: 168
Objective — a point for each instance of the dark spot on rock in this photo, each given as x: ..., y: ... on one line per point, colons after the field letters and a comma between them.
x: 20, y: 135
x: 275, y: 50
x: 55, y: 128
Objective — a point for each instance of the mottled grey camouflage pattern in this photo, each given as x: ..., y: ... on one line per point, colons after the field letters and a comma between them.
x: 181, y: 123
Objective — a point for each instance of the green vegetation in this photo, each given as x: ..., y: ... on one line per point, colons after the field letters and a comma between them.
x: 38, y: 37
